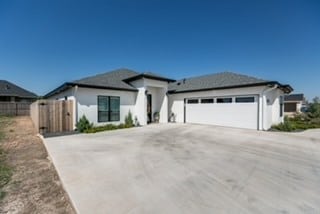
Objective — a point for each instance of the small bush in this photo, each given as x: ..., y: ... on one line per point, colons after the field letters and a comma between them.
x: 296, y: 123
x: 84, y: 125
x: 128, y: 120
x: 286, y: 126
x: 107, y: 127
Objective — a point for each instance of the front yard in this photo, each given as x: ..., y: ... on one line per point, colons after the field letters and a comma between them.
x: 28, y: 180
x: 5, y: 169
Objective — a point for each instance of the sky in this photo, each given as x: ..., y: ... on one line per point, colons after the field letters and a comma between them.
x: 44, y: 43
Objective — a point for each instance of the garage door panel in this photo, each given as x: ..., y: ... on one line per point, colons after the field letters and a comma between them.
x: 242, y: 115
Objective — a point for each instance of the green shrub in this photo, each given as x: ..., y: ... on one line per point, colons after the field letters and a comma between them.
x: 121, y: 126
x: 84, y: 125
x: 128, y: 120
x: 286, y: 126
x: 107, y: 127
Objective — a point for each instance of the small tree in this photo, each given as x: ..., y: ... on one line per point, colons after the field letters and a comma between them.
x: 83, y: 124
x: 128, y: 120
x: 314, y: 108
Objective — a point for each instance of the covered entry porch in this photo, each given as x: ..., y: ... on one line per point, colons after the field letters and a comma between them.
x: 152, y: 100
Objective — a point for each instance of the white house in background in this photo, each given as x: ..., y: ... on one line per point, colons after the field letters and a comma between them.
x: 223, y: 99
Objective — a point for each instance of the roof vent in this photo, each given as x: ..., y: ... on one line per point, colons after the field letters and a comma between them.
x: 179, y: 83
x: 7, y: 87
x: 184, y: 81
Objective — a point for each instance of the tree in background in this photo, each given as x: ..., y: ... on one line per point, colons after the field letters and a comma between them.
x: 314, y: 108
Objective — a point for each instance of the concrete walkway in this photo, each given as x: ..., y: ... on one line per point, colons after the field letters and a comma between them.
x: 178, y: 168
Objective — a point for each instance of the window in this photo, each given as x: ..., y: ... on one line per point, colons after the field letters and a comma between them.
x: 224, y: 100
x: 108, y: 108
x: 207, y: 100
x: 244, y: 99
x: 193, y: 101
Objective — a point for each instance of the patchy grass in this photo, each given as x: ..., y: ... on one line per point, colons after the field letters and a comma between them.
x: 5, y: 170
x: 34, y: 186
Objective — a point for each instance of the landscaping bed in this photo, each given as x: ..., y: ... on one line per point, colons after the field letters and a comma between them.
x: 302, y: 121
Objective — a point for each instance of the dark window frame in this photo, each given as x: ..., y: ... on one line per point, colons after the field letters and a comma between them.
x: 245, y: 99
x: 192, y: 101
x: 207, y: 100
x: 223, y: 99
x: 109, y: 111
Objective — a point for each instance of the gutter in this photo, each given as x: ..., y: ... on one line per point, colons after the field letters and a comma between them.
x: 76, y: 104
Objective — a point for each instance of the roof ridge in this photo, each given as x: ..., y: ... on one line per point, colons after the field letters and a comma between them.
x: 219, y: 73
x: 107, y: 72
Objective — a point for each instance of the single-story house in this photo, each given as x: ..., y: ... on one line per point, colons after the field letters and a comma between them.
x: 10, y: 92
x: 294, y: 104
x: 223, y: 99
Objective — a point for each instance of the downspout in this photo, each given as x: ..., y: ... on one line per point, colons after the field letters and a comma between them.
x: 76, y: 103
x: 263, y: 102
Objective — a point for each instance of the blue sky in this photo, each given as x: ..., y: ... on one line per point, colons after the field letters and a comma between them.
x: 45, y: 43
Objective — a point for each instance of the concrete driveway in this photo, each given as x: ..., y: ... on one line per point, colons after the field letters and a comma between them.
x: 177, y: 168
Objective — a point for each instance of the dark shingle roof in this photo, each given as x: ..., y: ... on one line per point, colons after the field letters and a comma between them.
x: 294, y: 97
x: 215, y: 81
x: 113, y: 79
x: 117, y: 79
x: 10, y: 89
x: 120, y: 80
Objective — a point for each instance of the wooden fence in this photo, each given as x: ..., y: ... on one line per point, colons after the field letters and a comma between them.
x: 52, y: 116
x: 14, y: 109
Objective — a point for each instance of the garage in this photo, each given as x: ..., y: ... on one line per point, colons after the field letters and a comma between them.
x: 232, y: 111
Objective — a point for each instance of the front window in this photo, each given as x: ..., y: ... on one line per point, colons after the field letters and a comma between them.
x: 108, y: 108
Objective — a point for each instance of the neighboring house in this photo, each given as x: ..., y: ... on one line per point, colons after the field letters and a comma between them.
x: 294, y: 103
x: 223, y: 99
x: 14, y: 100
x: 10, y: 92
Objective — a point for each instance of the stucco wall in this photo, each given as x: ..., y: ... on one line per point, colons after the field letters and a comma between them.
x: 158, y: 90
x: 273, y: 108
x: 87, y: 100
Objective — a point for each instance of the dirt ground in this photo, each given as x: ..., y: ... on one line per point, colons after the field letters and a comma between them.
x: 35, y: 185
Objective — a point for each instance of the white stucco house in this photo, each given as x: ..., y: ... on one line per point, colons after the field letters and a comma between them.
x: 222, y: 99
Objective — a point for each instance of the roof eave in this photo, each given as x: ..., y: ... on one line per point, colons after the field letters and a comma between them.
x: 68, y: 85
x: 287, y: 89
x: 103, y: 87
x: 59, y: 89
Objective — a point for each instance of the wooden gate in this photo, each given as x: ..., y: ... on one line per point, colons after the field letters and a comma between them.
x: 53, y: 116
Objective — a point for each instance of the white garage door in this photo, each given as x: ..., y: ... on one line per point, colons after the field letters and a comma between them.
x: 241, y: 112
